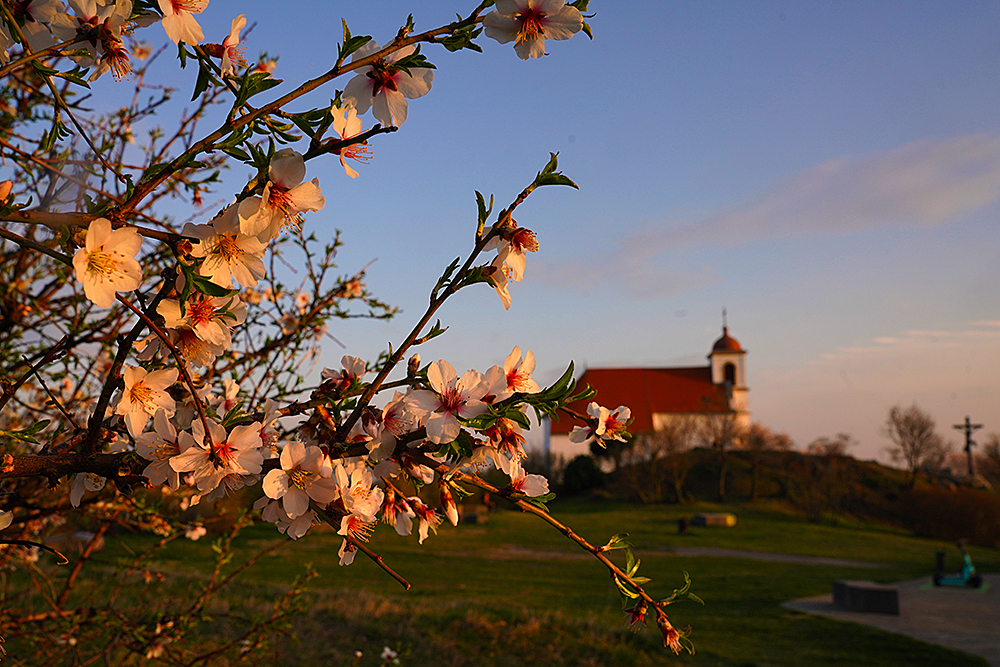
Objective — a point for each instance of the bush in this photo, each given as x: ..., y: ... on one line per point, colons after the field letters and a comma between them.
x: 952, y: 514
x: 582, y: 475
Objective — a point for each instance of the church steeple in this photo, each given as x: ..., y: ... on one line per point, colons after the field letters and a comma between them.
x: 728, y: 366
x: 728, y: 359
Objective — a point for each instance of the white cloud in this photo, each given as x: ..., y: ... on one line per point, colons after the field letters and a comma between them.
x: 922, y: 183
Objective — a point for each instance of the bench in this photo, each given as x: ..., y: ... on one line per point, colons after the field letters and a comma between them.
x: 720, y: 519
x: 866, y: 597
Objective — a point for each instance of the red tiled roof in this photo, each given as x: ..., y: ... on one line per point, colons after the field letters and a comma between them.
x: 649, y: 390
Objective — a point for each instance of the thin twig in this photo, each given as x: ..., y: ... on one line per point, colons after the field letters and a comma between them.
x: 9, y: 392
x: 177, y: 357
x: 28, y: 543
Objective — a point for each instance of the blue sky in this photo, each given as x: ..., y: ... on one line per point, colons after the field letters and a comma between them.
x: 828, y: 172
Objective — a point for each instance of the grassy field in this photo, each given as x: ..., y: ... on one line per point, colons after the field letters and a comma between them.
x: 515, y: 592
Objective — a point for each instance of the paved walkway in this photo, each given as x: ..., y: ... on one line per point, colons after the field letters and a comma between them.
x: 960, y: 618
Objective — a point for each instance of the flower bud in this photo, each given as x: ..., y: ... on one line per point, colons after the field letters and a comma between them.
x: 448, y: 503
x: 413, y: 365
x: 5, y: 187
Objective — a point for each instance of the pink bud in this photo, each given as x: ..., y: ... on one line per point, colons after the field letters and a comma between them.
x: 448, y: 503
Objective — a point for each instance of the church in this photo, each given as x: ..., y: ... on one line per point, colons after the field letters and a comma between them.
x: 655, y: 395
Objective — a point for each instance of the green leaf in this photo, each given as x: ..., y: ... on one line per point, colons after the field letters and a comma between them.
x: 413, y: 61
x: 435, y: 331
x: 458, y: 448
x: 350, y: 44
x: 42, y: 69
x: 549, y: 175
x: 619, y: 541
x: 624, y: 588
x: 462, y: 39
x: 631, y: 564
x: 555, y: 179
x: 201, y: 84
x: 540, y: 501
x: 28, y: 434
x: 204, y: 285
x: 445, y: 277
x: 484, y: 213
x: 476, y: 275
x: 75, y: 76
x: 253, y: 83
x: 519, y: 418
x: 237, y: 153
x: 481, y: 422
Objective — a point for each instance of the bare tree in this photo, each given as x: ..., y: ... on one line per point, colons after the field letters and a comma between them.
x: 821, y: 480
x: 835, y: 446
x: 720, y: 432
x: 659, y: 459
x: 758, y: 442
x: 915, y: 443
x: 663, y: 458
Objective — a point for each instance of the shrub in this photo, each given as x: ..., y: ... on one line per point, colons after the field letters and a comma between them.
x: 951, y: 514
x: 582, y: 475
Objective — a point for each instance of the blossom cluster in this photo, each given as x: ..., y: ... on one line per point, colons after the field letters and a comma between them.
x: 336, y: 457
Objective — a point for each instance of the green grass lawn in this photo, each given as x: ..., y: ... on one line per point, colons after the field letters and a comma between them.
x: 515, y: 592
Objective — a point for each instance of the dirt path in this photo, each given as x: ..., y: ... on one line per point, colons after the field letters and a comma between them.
x: 515, y: 552
x: 960, y: 618
x: 772, y: 557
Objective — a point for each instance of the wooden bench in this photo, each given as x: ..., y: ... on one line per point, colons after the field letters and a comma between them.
x: 720, y: 519
x: 866, y: 597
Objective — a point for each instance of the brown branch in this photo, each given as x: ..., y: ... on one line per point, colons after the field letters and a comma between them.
x: 97, y: 418
x: 58, y: 96
x: 6, y: 69
x: 598, y: 552
x: 34, y: 245
x: 177, y: 357
x: 79, y: 564
x: 10, y: 390
x: 333, y: 518
x: 53, y: 466
x: 28, y: 543
x: 52, y: 397
x: 146, y: 186
x: 57, y: 220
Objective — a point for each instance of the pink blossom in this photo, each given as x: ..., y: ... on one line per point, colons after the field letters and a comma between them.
x: 211, y: 318
x: 605, y: 425
x: 385, y: 87
x: 518, y: 372
x: 529, y: 22
x: 347, y: 125
x: 106, y: 264
x: 158, y: 447
x: 530, y: 485
x: 284, y: 198
x: 144, y: 394
x: 228, y: 253
x: 178, y: 21
x: 453, y: 398
x: 305, y: 475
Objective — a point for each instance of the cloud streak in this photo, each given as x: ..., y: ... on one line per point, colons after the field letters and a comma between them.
x: 922, y: 183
